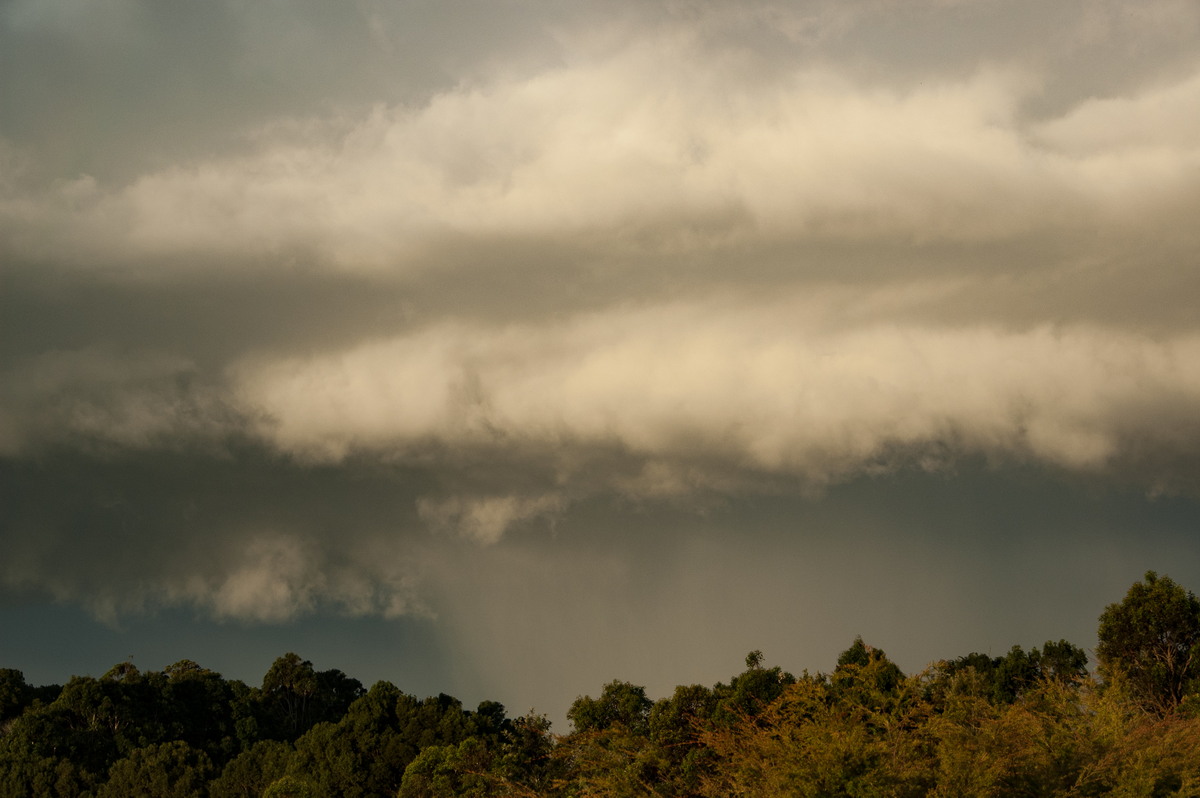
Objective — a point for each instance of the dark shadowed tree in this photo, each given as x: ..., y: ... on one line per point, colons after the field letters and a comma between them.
x: 250, y: 773
x: 165, y: 770
x: 366, y: 751
x: 15, y: 694
x: 294, y: 697
x: 288, y: 689
x: 199, y: 704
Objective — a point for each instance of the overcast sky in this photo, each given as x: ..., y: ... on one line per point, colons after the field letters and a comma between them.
x: 506, y: 348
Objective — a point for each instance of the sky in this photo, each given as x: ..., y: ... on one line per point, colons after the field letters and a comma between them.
x: 507, y: 348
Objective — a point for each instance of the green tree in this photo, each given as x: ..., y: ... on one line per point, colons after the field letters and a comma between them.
x: 805, y: 745
x: 15, y: 694
x: 612, y: 762
x: 620, y: 703
x: 674, y: 725
x: 1149, y: 642
x: 288, y: 690
x: 290, y: 787
x: 85, y: 725
x: 366, y: 751
x: 525, y: 755
x: 26, y: 773
x: 199, y: 705
x: 1063, y: 661
x: 751, y: 690
x: 1005, y: 679
x: 446, y: 771
x: 1038, y: 745
x: 294, y: 697
x: 165, y: 770
x: 250, y: 773
x: 864, y: 670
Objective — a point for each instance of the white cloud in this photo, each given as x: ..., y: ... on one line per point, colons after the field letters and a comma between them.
x: 274, y: 582
x: 485, y: 519
x: 657, y: 146
x: 1164, y: 118
x: 263, y: 577
x: 754, y: 388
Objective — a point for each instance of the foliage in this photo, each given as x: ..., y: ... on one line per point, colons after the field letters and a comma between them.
x: 1150, y: 642
x: 620, y: 704
x: 250, y: 773
x: 1005, y: 679
x: 817, y: 739
x: 750, y: 691
x: 445, y: 771
x: 15, y: 694
x: 291, y: 787
x: 164, y: 770
x: 294, y: 697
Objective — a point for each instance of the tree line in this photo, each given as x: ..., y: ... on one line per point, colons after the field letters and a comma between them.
x: 1032, y: 722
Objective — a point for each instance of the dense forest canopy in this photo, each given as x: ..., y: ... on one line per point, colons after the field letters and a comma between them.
x: 1031, y: 722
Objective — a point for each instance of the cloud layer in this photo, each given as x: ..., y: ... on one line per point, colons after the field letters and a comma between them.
x: 654, y: 151
x: 680, y: 257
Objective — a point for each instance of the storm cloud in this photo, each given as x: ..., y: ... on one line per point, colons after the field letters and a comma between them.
x: 311, y: 311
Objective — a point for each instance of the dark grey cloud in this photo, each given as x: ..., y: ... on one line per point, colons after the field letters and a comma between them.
x: 235, y: 534
x: 569, y: 329
x: 116, y: 89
